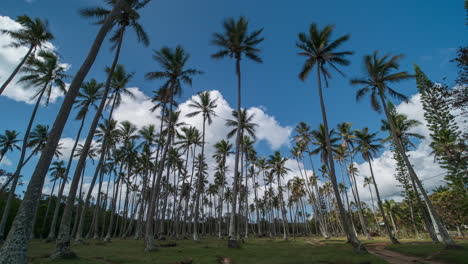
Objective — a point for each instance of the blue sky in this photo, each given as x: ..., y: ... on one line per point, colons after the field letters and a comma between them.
x: 427, y: 32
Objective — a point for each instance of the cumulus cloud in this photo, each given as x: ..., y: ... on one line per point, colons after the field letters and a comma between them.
x: 5, y: 162
x: 427, y: 169
x: 9, y: 59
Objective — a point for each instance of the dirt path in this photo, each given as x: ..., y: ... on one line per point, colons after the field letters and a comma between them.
x: 392, y: 257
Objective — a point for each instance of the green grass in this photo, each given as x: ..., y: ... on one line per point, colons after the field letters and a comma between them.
x: 435, y: 251
x: 254, y: 251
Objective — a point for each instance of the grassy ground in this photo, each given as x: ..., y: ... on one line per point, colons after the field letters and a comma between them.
x: 434, y: 251
x: 254, y: 251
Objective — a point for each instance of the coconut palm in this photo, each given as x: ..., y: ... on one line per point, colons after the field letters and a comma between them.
x: 237, y: 42
x: 57, y: 169
x: 347, y: 142
x: 368, y: 182
x: 277, y: 164
x: 368, y: 145
x: 174, y: 73
x: 204, y: 105
x: 42, y: 72
x: 222, y: 150
x: 380, y: 74
x: 34, y: 33
x: 15, y: 247
x: 320, y: 52
x: 8, y: 142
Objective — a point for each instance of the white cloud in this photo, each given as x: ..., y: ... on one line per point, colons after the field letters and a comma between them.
x: 5, y: 162
x: 9, y: 59
x: 427, y: 169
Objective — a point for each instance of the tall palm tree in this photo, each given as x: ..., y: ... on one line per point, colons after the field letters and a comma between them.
x: 16, y: 245
x: 277, y: 164
x: 347, y: 142
x: 174, y: 73
x: 368, y: 145
x: 127, y: 16
x: 34, y: 33
x: 8, y: 142
x: 368, y: 182
x: 236, y: 42
x: 204, y: 105
x: 222, y: 151
x: 380, y: 74
x: 42, y: 72
x: 320, y: 52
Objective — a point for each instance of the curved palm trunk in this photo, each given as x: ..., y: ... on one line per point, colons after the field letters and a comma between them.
x: 357, y: 199
x: 357, y: 246
x: 63, y: 248
x: 16, y: 245
x: 379, y: 203
x: 16, y: 70
x: 232, y: 241
x: 80, y: 202
x: 448, y: 241
x: 16, y: 175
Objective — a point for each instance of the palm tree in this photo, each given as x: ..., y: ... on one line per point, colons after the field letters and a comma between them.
x: 277, y: 165
x: 368, y: 146
x: 222, y: 151
x: 380, y: 73
x: 205, y: 105
x: 33, y: 33
x: 174, y: 73
x: 42, y: 72
x: 347, y: 142
x: 236, y: 42
x: 127, y: 16
x: 320, y: 51
x: 368, y: 183
x: 57, y: 169
x: 54, y: 179
x: 15, y: 247
x: 8, y: 142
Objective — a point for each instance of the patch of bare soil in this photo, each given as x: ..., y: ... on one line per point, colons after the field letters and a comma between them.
x: 392, y: 257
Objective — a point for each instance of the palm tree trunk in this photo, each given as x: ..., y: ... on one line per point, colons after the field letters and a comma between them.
x: 113, y: 205
x: 62, y: 248
x: 16, y: 246
x: 16, y: 70
x: 80, y: 202
x: 448, y: 241
x: 200, y: 184
x: 46, y: 216
x: 357, y: 246
x: 379, y: 202
x: 232, y: 241
x: 53, y: 225
x: 16, y: 175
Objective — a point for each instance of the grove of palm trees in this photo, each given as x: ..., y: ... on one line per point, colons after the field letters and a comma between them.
x: 133, y: 133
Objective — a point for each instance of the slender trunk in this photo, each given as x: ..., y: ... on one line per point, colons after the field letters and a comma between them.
x: 46, y: 216
x: 16, y: 70
x: 199, y: 184
x: 63, y: 241
x: 232, y: 241
x: 357, y: 246
x: 448, y: 241
x: 53, y: 225
x: 16, y: 175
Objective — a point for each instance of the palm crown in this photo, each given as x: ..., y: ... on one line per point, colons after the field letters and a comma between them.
x: 34, y: 33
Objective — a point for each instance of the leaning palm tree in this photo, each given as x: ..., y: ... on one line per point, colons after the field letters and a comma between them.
x: 174, y: 73
x: 205, y: 105
x: 34, y: 33
x: 368, y: 145
x: 16, y: 245
x: 43, y: 73
x: 320, y: 52
x: 128, y: 16
x: 236, y: 42
x: 57, y: 169
x: 8, y: 142
x: 380, y: 74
